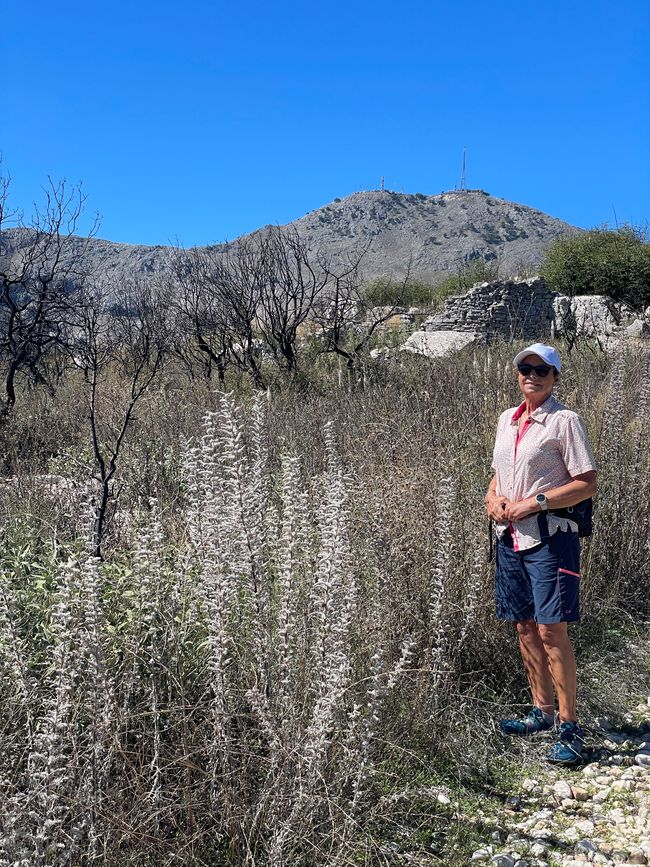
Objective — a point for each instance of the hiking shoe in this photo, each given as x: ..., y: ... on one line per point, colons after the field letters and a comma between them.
x: 531, y: 724
x: 568, y: 750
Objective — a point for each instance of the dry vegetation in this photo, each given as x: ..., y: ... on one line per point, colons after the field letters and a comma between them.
x: 289, y: 636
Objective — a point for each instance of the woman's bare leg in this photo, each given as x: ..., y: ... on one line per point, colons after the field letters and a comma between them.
x: 536, y: 663
x: 562, y: 665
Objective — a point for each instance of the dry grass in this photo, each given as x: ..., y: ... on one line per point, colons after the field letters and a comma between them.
x: 293, y: 620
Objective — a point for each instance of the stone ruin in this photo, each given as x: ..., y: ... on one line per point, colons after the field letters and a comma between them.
x: 525, y: 310
x: 501, y: 309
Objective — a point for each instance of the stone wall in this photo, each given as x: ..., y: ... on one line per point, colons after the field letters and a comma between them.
x: 504, y: 308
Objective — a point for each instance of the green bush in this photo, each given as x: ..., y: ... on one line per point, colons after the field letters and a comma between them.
x: 602, y: 262
x: 477, y: 271
x: 384, y: 292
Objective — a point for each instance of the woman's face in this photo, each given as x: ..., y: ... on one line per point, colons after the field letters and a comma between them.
x: 533, y: 386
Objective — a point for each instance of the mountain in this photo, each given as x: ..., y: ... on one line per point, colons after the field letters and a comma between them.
x: 437, y: 234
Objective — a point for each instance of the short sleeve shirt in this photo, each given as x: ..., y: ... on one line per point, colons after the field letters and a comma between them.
x: 550, y: 451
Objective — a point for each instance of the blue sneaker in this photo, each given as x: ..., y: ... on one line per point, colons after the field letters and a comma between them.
x: 531, y: 724
x: 568, y: 750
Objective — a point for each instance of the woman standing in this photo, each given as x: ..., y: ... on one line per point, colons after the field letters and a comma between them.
x: 542, y: 462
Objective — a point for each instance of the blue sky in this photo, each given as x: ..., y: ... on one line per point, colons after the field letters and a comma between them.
x: 204, y: 120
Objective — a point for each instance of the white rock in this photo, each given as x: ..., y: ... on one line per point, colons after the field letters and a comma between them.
x: 585, y: 827
x: 638, y: 328
x: 602, y: 795
x: 643, y: 759
x: 622, y: 786
x: 381, y: 353
x: 562, y: 789
x: 586, y: 315
x: 439, y: 344
x: 529, y: 785
x: 503, y: 861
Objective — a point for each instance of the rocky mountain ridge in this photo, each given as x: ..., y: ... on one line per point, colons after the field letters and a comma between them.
x: 436, y: 234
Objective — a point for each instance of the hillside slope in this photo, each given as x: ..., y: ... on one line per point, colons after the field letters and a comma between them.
x: 437, y: 234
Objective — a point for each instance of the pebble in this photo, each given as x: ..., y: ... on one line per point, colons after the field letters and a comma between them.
x: 602, y: 795
x: 562, y: 790
x: 585, y: 827
x: 600, y: 815
x: 585, y: 847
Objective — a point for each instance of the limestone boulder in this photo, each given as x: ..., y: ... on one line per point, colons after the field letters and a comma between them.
x: 588, y: 315
x: 438, y: 344
x: 638, y: 328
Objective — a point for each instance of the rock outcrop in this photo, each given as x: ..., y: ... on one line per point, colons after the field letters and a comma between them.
x: 525, y: 310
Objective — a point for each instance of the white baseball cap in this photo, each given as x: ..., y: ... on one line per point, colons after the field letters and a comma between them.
x: 550, y: 355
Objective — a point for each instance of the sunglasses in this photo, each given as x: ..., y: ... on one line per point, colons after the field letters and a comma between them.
x: 540, y: 369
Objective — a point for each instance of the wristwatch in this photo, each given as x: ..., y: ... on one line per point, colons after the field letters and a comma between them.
x: 543, y: 502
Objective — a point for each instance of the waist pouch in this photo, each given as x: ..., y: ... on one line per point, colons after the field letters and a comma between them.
x: 581, y: 514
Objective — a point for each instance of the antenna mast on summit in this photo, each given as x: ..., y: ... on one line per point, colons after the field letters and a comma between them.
x: 382, y: 184
x: 463, y: 178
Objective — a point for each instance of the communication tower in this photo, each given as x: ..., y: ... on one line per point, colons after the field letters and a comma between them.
x: 463, y: 178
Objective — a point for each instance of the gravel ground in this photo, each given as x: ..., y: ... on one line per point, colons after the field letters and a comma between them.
x: 598, y: 813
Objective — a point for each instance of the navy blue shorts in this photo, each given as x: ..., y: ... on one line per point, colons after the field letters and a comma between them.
x: 542, y: 583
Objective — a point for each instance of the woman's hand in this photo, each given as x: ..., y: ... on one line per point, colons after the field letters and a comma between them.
x: 522, y: 509
x: 496, y: 507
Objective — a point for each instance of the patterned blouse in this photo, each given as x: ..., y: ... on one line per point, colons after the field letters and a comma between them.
x: 549, y: 452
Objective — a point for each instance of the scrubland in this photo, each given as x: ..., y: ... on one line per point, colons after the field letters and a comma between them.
x: 288, y: 642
